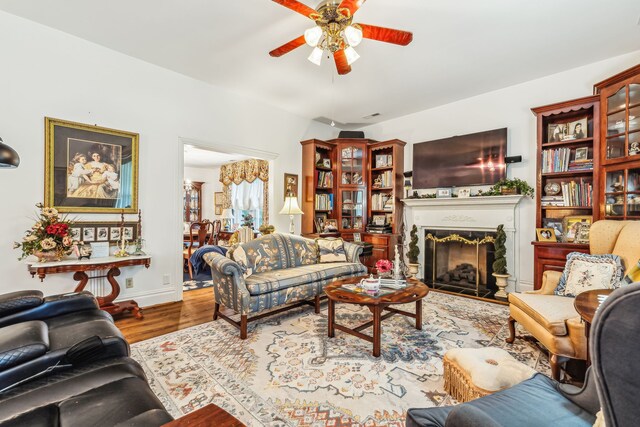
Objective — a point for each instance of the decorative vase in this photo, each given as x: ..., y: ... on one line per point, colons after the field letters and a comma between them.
x: 508, y: 191
x: 501, y: 283
x: 413, y: 269
x: 48, y: 256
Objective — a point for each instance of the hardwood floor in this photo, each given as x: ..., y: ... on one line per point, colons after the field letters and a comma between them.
x: 196, y: 308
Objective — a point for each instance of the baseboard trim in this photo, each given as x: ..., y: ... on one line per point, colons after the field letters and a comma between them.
x: 524, y: 286
x: 147, y: 299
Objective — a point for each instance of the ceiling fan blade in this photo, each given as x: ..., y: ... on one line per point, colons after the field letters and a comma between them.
x: 387, y: 35
x: 287, y: 47
x: 352, y: 5
x: 297, y: 7
x: 341, y: 62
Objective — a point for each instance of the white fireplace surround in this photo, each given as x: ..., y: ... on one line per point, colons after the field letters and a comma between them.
x: 473, y: 214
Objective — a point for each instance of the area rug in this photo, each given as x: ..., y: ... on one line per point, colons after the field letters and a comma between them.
x: 199, y: 281
x: 288, y: 373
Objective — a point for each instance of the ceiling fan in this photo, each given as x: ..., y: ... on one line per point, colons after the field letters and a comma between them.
x: 336, y: 33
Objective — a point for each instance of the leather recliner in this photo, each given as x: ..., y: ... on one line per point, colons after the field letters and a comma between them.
x: 37, y: 333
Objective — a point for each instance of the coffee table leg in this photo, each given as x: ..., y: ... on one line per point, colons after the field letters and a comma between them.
x: 332, y: 318
x: 377, y: 311
x: 419, y: 315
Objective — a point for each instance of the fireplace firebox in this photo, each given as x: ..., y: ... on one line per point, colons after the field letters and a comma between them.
x: 460, y: 261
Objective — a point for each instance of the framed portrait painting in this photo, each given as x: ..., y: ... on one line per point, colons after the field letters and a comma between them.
x: 90, y: 168
x: 290, y: 184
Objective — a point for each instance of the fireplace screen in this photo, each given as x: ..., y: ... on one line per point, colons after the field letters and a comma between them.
x: 460, y: 261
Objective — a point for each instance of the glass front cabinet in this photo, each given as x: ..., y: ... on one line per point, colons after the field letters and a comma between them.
x: 620, y: 136
x: 351, y: 187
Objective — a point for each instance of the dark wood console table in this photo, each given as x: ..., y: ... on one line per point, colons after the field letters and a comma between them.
x: 80, y: 267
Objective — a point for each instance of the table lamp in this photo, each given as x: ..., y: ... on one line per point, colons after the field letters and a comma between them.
x: 291, y: 208
x: 227, y: 215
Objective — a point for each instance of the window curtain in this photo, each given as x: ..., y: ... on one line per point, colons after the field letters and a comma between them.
x: 246, y: 171
x: 125, y: 198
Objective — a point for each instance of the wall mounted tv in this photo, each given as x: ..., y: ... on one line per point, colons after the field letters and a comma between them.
x: 474, y: 159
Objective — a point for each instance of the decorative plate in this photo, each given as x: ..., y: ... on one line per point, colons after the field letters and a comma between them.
x: 552, y: 189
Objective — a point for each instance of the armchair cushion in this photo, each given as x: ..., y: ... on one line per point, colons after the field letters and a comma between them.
x: 550, y: 311
x: 584, y: 272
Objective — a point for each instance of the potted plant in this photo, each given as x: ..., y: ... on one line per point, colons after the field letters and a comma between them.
x: 413, y: 252
x: 49, y: 238
x: 500, y: 263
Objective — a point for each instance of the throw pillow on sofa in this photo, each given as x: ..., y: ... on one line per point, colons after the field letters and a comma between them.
x: 584, y: 272
x: 632, y: 276
x: 237, y: 254
x: 331, y: 250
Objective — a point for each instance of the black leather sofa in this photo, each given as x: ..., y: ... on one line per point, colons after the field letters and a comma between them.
x: 612, y: 383
x: 64, y: 363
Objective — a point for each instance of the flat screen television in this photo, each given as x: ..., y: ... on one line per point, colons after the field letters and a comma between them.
x: 474, y: 159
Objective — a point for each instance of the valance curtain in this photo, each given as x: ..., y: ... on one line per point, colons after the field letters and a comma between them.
x: 249, y: 171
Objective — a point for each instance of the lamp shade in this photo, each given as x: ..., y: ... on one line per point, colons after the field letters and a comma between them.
x: 227, y: 214
x: 291, y: 206
x: 312, y: 36
x: 353, y: 35
x: 316, y: 56
x: 351, y: 54
x: 9, y: 158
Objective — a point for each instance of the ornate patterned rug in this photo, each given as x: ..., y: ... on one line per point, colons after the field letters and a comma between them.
x: 288, y: 373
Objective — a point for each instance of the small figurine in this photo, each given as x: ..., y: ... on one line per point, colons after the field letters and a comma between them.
x: 634, y: 148
x: 82, y: 250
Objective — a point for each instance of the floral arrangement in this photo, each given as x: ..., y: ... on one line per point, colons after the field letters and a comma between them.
x: 48, y: 238
x: 384, y: 266
x: 247, y: 220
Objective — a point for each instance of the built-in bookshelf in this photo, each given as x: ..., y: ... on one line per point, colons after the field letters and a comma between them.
x: 354, y: 183
x: 568, y: 151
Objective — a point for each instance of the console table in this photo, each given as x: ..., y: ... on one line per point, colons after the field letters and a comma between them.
x: 80, y: 267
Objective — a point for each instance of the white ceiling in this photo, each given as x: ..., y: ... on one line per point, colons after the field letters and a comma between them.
x: 198, y: 158
x: 461, y: 48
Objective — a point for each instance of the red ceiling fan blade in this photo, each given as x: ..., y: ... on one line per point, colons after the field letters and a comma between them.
x: 288, y: 47
x: 297, y: 7
x: 352, y: 5
x: 341, y: 62
x: 387, y: 35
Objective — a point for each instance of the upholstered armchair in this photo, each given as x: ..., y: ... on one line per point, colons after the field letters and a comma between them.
x: 552, y: 319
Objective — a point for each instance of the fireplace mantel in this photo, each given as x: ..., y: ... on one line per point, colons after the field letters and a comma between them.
x: 482, y: 213
x: 465, y: 201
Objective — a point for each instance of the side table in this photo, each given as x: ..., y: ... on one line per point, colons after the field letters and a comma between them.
x: 586, y: 305
x: 80, y: 267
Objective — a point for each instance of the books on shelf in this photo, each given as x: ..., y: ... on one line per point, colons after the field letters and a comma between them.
x: 379, y: 202
x: 324, y: 202
x: 559, y: 160
x: 574, y: 193
x: 325, y: 179
x: 383, y: 180
x: 552, y: 201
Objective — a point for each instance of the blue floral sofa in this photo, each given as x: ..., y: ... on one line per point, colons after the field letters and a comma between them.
x: 275, y: 270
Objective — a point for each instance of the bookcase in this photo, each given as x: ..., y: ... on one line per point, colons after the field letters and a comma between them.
x: 352, y: 183
x: 568, y: 178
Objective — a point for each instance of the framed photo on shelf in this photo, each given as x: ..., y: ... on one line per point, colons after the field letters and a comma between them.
x: 582, y: 233
x: 290, y: 184
x: 556, y: 225
x: 582, y: 153
x: 384, y: 160
x: 546, y: 235
x: 577, y: 129
x: 90, y: 169
x: 357, y: 237
x: 379, y: 219
x: 443, y: 193
x: 571, y: 225
x: 326, y: 163
x: 331, y: 225
x: 556, y: 132
x: 464, y: 192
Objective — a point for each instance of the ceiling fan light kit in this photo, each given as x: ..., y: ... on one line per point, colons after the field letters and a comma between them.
x: 336, y: 33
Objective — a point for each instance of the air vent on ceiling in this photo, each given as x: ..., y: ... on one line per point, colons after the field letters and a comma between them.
x: 371, y: 116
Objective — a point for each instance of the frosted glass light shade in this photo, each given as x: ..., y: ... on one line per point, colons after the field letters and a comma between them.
x: 353, y: 35
x: 312, y: 36
x: 316, y: 56
x: 352, y: 55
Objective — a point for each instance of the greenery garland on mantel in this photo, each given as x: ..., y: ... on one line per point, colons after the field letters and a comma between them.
x: 516, y: 185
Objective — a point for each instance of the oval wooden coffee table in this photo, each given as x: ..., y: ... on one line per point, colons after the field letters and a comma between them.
x: 586, y: 304
x: 414, y: 291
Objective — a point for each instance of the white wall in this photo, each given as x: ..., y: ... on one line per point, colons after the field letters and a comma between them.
x: 211, y: 179
x: 49, y: 73
x: 511, y: 108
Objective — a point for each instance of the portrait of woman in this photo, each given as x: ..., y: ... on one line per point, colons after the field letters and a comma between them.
x: 95, y: 179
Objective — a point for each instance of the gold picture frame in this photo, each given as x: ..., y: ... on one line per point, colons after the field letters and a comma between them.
x: 90, y: 169
x: 218, y: 201
x: 546, y: 235
x: 290, y: 184
x: 570, y: 226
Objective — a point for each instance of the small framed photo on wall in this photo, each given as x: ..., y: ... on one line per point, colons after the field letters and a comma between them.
x: 88, y: 234
x: 290, y: 184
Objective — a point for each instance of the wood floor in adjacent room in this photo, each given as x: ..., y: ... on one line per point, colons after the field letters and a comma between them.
x: 195, y: 308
